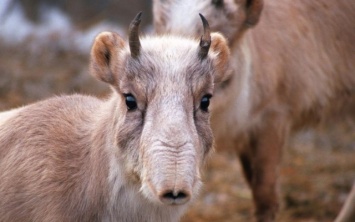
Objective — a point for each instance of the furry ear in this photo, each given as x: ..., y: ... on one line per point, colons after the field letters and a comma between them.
x: 253, y: 10
x: 220, y: 49
x: 105, y: 56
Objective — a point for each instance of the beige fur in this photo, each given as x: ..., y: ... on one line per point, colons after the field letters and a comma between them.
x: 294, y: 68
x: 6, y: 115
x: 347, y: 213
x: 78, y: 158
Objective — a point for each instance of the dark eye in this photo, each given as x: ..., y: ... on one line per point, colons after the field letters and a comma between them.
x: 130, y: 101
x: 217, y: 3
x: 205, y: 102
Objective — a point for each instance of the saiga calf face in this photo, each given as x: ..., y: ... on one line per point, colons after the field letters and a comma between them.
x: 163, y: 87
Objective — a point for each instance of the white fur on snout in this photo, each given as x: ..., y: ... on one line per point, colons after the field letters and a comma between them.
x: 170, y: 168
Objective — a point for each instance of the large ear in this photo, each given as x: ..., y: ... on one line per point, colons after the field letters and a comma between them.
x: 221, y: 52
x: 105, y: 56
x: 253, y: 11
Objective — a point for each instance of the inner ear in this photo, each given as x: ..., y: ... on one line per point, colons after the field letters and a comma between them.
x: 108, y: 57
x: 105, y: 56
x: 253, y: 11
x: 221, y: 52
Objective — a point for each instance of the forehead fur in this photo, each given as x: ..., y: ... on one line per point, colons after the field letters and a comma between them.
x: 171, y: 60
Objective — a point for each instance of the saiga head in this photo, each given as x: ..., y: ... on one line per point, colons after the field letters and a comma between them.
x: 162, y: 86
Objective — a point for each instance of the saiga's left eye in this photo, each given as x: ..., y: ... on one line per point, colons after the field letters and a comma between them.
x: 205, y: 102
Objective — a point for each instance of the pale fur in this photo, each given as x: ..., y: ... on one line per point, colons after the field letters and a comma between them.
x: 292, y: 69
x: 347, y: 213
x: 78, y: 158
x: 6, y: 115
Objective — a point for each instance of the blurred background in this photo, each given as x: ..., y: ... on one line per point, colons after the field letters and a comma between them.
x: 45, y: 44
x: 44, y: 51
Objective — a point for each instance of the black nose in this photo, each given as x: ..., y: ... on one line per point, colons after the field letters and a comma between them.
x: 171, y: 197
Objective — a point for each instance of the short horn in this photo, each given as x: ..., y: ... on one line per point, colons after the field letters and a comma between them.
x: 205, y: 41
x: 133, y: 36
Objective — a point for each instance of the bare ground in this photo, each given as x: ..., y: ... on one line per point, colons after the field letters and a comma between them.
x: 318, y: 166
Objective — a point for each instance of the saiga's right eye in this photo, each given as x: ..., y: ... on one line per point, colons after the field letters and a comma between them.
x: 131, y: 102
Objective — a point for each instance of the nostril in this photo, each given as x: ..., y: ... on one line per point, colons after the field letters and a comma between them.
x: 171, y: 197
